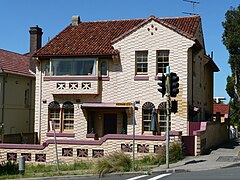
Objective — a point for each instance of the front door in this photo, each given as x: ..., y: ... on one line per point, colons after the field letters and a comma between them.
x: 110, y: 123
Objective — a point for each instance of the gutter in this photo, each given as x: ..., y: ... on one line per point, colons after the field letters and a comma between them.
x: 3, y: 102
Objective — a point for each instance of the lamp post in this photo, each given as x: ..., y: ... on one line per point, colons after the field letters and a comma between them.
x: 133, y: 139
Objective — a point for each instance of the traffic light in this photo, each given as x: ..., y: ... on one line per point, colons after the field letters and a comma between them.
x: 174, y: 84
x: 174, y: 107
x: 162, y: 85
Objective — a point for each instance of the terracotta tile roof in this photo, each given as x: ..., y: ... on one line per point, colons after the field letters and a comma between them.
x: 14, y: 63
x: 96, y: 38
x: 221, y: 108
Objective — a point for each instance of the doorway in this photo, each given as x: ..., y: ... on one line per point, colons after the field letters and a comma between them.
x: 110, y: 123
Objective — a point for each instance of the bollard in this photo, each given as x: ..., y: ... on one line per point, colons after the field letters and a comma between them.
x: 21, y: 165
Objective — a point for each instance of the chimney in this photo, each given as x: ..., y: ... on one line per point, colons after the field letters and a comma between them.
x: 75, y: 20
x: 35, y: 39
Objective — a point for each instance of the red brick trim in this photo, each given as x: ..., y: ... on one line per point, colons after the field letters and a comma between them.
x: 141, y: 78
x: 90, y: 142
x: 51, y: 134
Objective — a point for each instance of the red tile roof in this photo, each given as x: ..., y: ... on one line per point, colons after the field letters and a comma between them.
x: 221, y: 108
x: 14, y: 63
x: 96, y: 38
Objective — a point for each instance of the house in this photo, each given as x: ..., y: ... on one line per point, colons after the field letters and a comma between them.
x: 221, y: 112
x: 95, y: 79
x: 17, y: 90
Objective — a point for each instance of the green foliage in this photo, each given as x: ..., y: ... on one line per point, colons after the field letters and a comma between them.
x: 231, y: 32
x: 231, y: 40
x: 175, y: 154
x: 8, y: 168
x: 115, y: 162
x: 78, y: 165
x: 230, y: 86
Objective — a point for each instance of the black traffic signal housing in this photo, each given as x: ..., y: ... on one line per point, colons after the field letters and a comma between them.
x: 174, y: 84
x: 162, y: 85
x: 174, y: 107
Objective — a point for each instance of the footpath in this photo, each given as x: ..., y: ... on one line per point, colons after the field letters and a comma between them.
x: 227, y: 155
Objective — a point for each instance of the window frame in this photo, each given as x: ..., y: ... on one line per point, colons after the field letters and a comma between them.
x: 142, y: 62
x: 163, y: 63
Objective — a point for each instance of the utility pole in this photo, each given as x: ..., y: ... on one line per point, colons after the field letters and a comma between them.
x: 168, y: 113
x: 169, y: 86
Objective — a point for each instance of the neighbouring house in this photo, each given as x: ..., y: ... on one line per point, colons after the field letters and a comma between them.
x: 17, y: 91
x: 94, y: 78
x: 221, y: 112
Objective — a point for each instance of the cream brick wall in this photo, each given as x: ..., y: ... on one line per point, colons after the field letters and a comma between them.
x: 123, y: 88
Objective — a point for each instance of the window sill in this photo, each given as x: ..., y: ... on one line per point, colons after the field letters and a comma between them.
x: 60, y: 134
x: 70, y: 78
x: 141, y: 78
x: 74, y: 78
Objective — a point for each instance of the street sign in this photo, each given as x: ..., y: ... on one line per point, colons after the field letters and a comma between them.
x: 124, y: 104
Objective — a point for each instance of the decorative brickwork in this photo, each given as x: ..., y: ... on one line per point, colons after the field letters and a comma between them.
x: 12, y: 156
x: 143, y: 148
x: 157, y: 148
x: 67, y: 152
x: 97, y: 153
x: 40, y: 158
x: 126, y: 147
x: 27, y: 156
x: 82, y: 152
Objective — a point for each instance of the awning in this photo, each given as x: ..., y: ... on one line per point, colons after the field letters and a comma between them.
x: 106, y: 105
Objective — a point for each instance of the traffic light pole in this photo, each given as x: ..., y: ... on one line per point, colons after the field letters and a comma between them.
x: 168, y: 113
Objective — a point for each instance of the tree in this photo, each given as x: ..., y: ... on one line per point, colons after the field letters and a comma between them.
x: 231, y: 39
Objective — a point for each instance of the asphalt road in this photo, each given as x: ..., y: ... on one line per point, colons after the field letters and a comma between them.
x: 219, y: 174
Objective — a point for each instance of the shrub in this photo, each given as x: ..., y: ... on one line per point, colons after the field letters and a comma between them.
x: 115, y: 162
x: 8, y: 168
x: 175, y: 154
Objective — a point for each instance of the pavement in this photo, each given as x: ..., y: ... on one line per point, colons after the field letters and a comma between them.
x: 223, y: 156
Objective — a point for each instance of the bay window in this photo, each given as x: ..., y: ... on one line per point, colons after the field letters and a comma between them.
x: 73, y: 67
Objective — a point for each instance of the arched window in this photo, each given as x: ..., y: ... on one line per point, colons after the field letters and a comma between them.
x: 54, y: 114
x: 146, y: 115
x: 162, y: 116
x: 68, y: 116
x: 63, y: 118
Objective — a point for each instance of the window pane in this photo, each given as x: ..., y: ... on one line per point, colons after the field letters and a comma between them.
x: 162, y: 61
x: 104, y: 68
x: 66, y: 67
x: 68, y: 116
x: 141, y: 62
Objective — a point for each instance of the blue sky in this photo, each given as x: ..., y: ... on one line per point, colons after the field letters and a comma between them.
x: 53, y: 15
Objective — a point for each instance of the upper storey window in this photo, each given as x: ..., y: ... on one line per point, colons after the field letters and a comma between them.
x: 141, y: 63
x: 162, y: 61
x: 73, y: 67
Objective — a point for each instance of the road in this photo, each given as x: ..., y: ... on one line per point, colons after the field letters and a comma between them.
x: 219, y: 174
